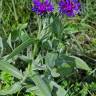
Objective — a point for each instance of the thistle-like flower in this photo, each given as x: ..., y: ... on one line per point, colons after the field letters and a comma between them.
x: 69, y: 7
x: 42, y: 7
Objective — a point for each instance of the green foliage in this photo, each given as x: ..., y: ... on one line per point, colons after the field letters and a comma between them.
x: 47, y: 55
x: 15, y: 88
x: 6, y: 80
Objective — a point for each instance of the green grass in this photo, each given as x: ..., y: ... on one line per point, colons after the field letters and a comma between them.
x: 47, y: 58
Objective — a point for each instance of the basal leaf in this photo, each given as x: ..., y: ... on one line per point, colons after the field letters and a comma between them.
x: 43, y: 87
x: 80, y: 63
x: 5, y: 66
x: 13, y: 89
x: 60, y: 91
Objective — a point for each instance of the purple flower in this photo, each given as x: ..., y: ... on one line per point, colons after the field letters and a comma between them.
x: 42, y: 7
x: 69, y: 7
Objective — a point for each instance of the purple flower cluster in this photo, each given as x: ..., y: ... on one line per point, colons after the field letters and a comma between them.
x: 42, y: 7
x: 68, y: 7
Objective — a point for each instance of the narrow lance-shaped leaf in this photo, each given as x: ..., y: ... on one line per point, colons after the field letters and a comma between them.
x: 43, y: 87
x: 9, y: 41
x: 5, y: 66
x: 60, y: 91
x: 80, y: 63
x: 1, y: 46
x: 13, y: 89
x: 21, y: 47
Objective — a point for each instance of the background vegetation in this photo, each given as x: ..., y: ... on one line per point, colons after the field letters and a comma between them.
x: 48, y: 56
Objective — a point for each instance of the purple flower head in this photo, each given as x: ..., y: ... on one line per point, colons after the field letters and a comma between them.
x: 42, y: 7
x: 69, y: 7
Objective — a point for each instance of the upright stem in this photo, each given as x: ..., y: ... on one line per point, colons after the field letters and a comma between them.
x: 35, y: 50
